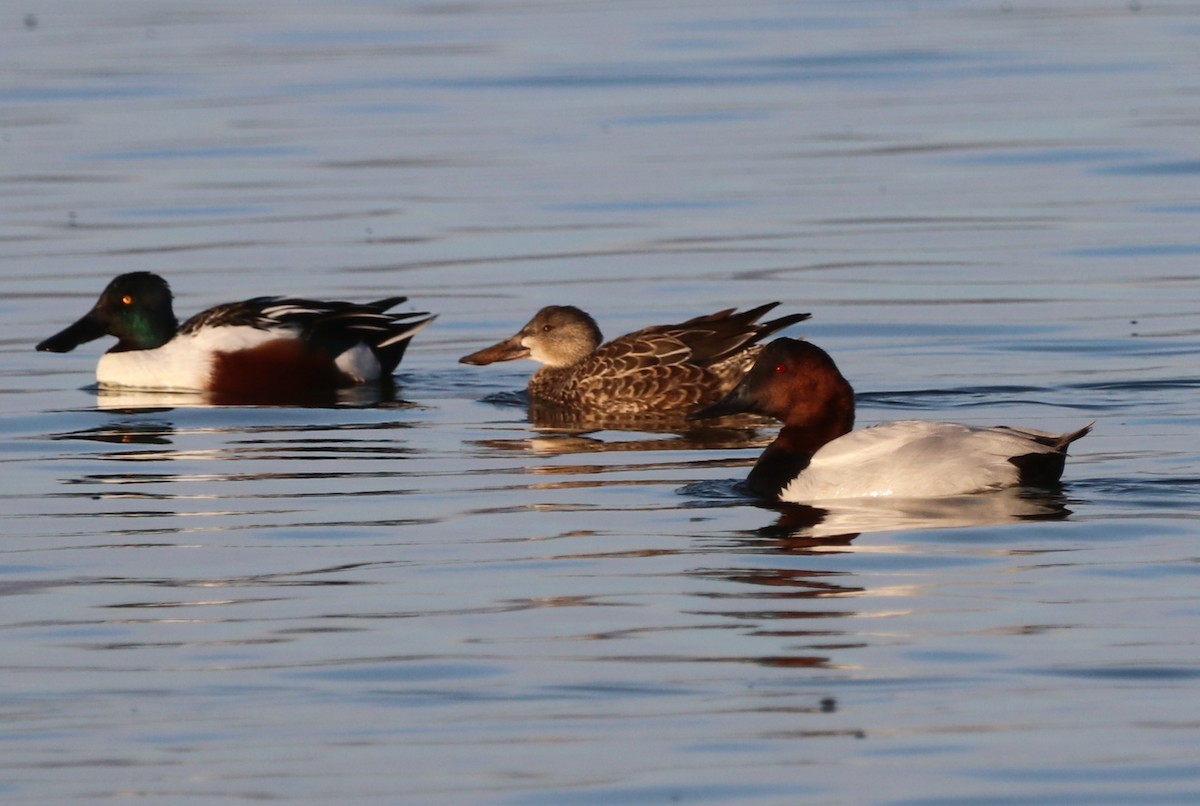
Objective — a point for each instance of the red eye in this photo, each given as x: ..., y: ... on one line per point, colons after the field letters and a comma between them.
x: 780, y: 369
x: 127, y: 299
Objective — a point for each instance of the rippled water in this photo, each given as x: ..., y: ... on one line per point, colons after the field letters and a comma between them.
x: 991, y: 211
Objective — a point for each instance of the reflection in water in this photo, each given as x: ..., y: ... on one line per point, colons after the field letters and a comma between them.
x: 248, y: 466
x: 137, y: 432
x: 567, y: 444
x: 845, y: 518
x: 842, y: 520
x: 548, y: 417
x: 562, y: 431
x: 379, y: 395
x: 137, y: 401
x: 793, y: 602
x: 803, y: 606
x: 553, y: 419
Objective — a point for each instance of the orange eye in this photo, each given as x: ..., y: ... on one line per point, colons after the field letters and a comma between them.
x: 127, y: 299
x: 780, y: 369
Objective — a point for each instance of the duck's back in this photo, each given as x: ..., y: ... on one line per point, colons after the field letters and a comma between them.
x: 920, y: 459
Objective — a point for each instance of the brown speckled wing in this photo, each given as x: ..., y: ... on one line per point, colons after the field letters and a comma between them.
x: 716, y: 336
x: 635, y: 352
x: 730, y: 370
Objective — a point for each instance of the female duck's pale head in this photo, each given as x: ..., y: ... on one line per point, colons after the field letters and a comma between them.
x: 557, y: 336
x: 135, y: 308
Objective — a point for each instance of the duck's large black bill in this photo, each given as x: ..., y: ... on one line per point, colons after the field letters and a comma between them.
x: 738, y: 401
x: 88, y: 328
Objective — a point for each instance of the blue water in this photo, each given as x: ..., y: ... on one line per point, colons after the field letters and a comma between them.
x: 990, y: 212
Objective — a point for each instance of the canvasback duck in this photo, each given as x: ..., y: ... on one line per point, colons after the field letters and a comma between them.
x: 657, y: 369
x: 817, y: 456
x: 280, y: 346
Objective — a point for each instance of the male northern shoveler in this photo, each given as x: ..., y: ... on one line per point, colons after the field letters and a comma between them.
x: 662, y: 368
x: 281, y: 346
x: 817, y: 456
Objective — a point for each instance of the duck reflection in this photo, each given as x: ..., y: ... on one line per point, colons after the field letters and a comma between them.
x: 562, y: 431
x: 549, y: 417
x: 801, y: 596
x: 796, y: 604
x: 124, y: 432
x: 569, y: 443
x: 143, y: 400
x: 850, y: 517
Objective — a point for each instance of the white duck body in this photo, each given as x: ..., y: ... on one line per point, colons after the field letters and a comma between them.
x: 185, y: 363
x: 916, y: 459
x: 819, y: 456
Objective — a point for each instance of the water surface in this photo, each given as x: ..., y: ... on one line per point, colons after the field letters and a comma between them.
x: 991, y: 212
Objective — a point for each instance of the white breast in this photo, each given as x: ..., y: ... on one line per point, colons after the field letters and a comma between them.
x: 183, y: 363
x: 912, y: 459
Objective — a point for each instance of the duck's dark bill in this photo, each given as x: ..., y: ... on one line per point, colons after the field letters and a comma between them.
x: 86, y: 329
x: 736, y: 402
x: 507, y: 350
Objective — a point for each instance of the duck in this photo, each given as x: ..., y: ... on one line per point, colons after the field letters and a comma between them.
x: 818, y: 455
x: 280, y: 345
x: 663, y: 368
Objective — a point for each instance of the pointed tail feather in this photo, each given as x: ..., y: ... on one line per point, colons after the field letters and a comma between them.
x: 382, y: 305
x: 391, y: 350
x: 775, y: 325
x: 1058, y: 442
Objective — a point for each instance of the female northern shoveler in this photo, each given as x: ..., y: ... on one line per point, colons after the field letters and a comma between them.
x: 817, y: 456
x: 283, y: 346
x: 662, y: 368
